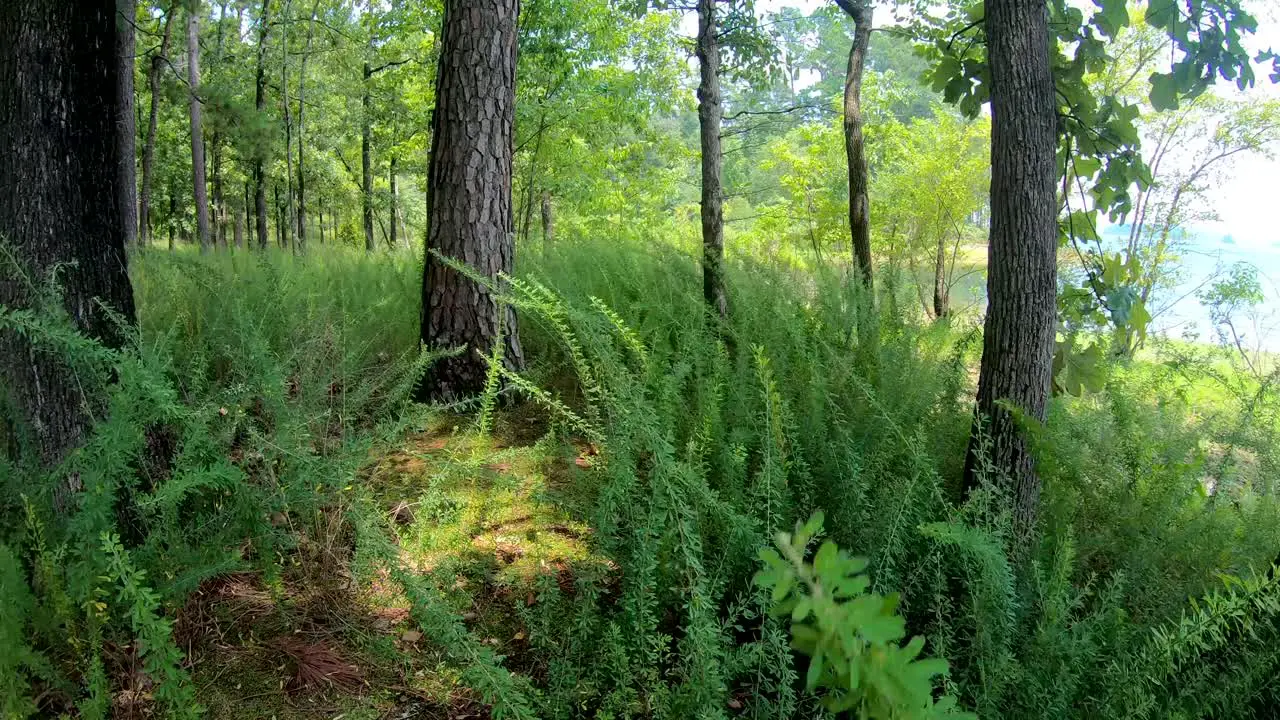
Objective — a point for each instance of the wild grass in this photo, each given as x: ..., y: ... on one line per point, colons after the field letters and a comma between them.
x: 586, y: 546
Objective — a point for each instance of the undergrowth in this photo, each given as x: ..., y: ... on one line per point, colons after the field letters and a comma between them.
x: 664, y: 453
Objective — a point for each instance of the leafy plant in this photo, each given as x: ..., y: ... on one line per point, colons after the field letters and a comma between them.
x: 851, y: 635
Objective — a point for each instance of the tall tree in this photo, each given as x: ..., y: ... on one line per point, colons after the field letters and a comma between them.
x: 126, y: 12
x: 259, y: 152
x: 200, y: 195
x: 470, y: 215
x: 855, y: 150
x: 156, y: 65
x: 302, y: 97
x: 710, y: 118
x: 1018, y: 337
x: 61, y: 107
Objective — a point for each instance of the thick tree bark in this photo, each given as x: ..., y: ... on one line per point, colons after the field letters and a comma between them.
x: 548, y: 222
x: 854, y: 146
x: 1018, y: 338
x: 366, y: 162
x: 392, y: 179
x: 710, y: 116
x: 158, y: 60
x: 200, y: 195
x: 61, y: 107
x: 127, y: 129
x: 259, y: 153
x: 469, y: 207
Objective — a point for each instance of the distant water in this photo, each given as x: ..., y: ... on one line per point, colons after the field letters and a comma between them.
x: 1208, y: 252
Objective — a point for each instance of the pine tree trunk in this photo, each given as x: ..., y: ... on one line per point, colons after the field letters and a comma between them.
x: 548, y: 223
x: 128, y: 185
x: 710, y: 116
x: 201, y: 197
x: 219, y: 201
x: 392, y: 180
x: 259, y: 153
x: 61, y: 108
x: 366, y: 162
x: 288, y: 127
x: 855, y: 151
x: 1018, y: 338
x: 158, y: 60
x: 470, y: 216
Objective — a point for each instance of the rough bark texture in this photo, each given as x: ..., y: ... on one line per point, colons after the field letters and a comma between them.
x: 127, y: 128
x: 259, y: 153
x: 469, y: 200
x: 366, y: 162
x: 201, y: 196
x: 158, y: 60
x: 710, y: 116
x: 854, y: 146
x: 1018, y: 340
x: 548, y: 221
x: 60, y: 111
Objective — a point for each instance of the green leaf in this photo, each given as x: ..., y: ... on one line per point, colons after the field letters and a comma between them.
x: 1164, y: 92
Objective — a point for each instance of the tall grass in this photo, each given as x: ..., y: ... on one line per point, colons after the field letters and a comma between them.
x: 259, y: 383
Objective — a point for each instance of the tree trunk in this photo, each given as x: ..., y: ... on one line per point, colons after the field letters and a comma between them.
x: 280, y: 221
x: 149, y: 148
x: 941, y: 293
x: 61, y: 108
x: 219, y: 199
x: 259, y: 153
x: 173, y: 214
x: 710, y: 115
x: 548, y: 223
x: 128, y: 185
x: 320, y: 221
x: 197, y: 132
x: 1018, y: 338
x: 288, y: 126
x: 470, y: 216
x: 242, y: 219
x: 392, y: 180
x: 366, y: 162
x: 302, y: 95
x: 855, y: 151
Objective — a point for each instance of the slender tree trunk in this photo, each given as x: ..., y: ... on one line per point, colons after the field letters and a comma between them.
x: 158, y: 60
x: 392, y: 180
x: 548, y: 223
x: 242, y: 219
x: 128, y: 185
x: 288, y: 126
x: 280, y: 220
x: 173, y: 215
x: 470, y: 214
x: 219, y: 200
x: 320, y: 221
x: 710, y: 115
x: 1018, y: 338
x: 200, y: 194
x: 302, y: 95
x: 941, y: 294
x: 366, y: 161
x: 859, y: 205
x: 259, y: 153
x: 61, y: 108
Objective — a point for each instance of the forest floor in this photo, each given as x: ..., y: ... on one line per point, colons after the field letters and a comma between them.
x: 485, y: 509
